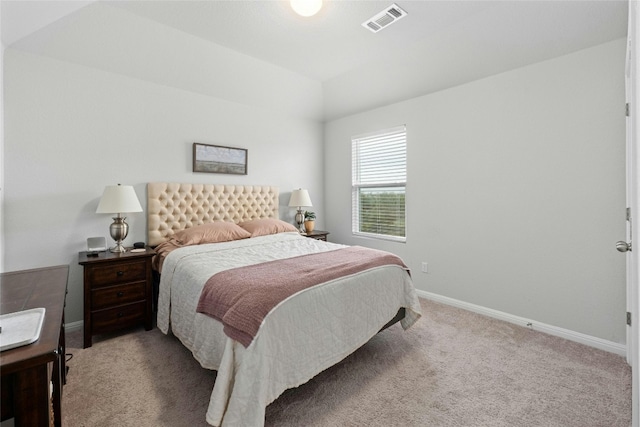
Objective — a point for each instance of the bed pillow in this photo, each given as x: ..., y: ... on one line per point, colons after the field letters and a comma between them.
x: 264, y: 226
x: 213, y: 232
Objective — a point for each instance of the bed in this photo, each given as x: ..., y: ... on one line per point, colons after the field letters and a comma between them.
x: 300, y: 335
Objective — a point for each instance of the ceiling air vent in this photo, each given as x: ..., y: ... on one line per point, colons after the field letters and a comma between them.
x: 384, y: 18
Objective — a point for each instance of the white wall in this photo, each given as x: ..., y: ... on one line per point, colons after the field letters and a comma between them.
x: 71, y: 130
x: 515, y: 192
x: 1, y: 151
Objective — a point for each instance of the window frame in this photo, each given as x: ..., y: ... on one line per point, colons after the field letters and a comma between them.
x: 357, y: 185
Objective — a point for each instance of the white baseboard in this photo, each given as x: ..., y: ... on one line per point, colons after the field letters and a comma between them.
x: 75, y: 326
x: 581, y: 338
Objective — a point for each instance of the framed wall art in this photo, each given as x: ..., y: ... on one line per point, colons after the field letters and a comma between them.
x: 219, y: 159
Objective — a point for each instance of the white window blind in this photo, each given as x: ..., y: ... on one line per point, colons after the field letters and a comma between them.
x: 379, y: 175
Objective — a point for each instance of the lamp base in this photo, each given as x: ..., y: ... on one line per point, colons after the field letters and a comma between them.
x: 300, y: 220
x: 118, y: 230
x: 118, y: 248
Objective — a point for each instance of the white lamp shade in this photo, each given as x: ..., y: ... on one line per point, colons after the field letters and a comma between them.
x: 300, y: 197
x: 119, y: 199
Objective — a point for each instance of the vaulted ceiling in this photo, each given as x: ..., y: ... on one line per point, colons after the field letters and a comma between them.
x: 439, y: 44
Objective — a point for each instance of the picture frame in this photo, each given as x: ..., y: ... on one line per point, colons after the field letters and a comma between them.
x: 219, y: 159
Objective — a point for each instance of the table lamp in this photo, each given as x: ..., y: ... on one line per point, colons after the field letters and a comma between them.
x: 300, y: 198
x: 119, y: 199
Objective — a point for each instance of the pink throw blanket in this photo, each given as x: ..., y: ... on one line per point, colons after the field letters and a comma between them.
x: 241, y: 297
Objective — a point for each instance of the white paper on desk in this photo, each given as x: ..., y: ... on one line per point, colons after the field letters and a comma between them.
x: 20, y: 328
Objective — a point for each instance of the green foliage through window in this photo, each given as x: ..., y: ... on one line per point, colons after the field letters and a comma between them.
x: 382, y: 212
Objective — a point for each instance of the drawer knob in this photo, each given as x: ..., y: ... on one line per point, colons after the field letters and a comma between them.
x: 120, y: 294
x: 120, y: 314
x: 120, y: 273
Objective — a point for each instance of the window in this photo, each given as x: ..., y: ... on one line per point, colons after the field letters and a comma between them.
x: 379, y: 175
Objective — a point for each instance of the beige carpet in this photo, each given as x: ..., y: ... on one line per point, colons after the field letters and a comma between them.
x: 453, y: 368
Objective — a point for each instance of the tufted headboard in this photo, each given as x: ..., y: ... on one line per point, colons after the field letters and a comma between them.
x: 172, y: 206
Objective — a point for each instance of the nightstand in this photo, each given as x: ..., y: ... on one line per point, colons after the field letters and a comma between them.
x: 117, y: 291
x: 317, y: 234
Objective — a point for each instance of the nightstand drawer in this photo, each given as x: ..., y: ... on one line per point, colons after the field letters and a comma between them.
x: 118, y: 295
x: 118, y: 317
x: 104, y: 275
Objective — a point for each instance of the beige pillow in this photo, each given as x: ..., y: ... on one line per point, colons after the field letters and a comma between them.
x: 213, y: 232
x: 264, y: 226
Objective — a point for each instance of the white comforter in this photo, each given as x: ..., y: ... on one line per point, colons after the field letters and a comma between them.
x: 331, y: 320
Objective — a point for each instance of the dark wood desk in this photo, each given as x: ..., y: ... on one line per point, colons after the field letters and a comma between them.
x: 27, y: 370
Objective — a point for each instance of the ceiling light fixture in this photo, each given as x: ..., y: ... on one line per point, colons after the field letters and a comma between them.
x: 306, y: 7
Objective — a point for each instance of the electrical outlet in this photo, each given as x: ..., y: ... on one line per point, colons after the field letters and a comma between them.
x: 425, y: 268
